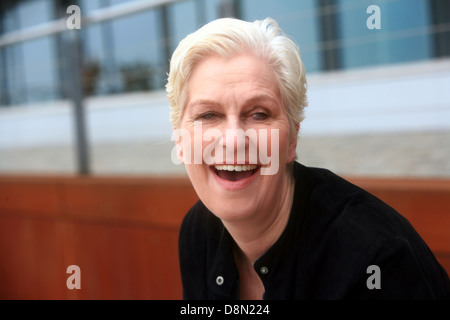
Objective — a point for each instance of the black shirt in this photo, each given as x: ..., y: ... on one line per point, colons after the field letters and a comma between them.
x: 335, y: 233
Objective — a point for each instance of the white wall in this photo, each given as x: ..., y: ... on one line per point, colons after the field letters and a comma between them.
x: 410, y: 97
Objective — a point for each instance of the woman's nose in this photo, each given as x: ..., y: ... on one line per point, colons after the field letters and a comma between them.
x: 234, y: 141
x: 231, y: 132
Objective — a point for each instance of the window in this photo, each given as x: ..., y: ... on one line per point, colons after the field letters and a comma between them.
x: 132, y: 53
x: 38, y: 70
x: 29, y: 69
x: 404, y: 34
x: 125, y: 54
x: 183, y: 18
x: 138, y: 49
x: 298, y: 19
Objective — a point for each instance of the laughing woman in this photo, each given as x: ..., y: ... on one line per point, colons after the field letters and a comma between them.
x: 275, y: 229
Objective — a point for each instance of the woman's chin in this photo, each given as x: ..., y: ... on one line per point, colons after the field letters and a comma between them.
x: 232, y: 212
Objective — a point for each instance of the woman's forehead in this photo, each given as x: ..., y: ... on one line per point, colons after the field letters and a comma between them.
x: 247, y: 77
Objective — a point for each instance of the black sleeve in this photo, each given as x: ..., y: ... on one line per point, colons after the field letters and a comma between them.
x: 192, y: 253
x: 355, y: 230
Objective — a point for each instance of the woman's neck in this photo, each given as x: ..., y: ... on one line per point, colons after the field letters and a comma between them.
x: 255, y: 236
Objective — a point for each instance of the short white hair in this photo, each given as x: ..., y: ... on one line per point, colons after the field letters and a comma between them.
x: 228, y: 36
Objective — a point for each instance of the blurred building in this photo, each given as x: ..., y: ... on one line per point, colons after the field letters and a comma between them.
x: 379, y: 99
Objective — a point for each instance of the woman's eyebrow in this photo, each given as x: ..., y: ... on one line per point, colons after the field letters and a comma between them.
x: 254, y: 99
x: 203, y: 102
x: 261, y: 98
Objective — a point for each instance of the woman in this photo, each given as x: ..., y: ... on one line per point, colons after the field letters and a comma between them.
x: 266, y: 226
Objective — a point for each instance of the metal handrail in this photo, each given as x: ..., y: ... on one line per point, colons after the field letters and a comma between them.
x: 96, y: 16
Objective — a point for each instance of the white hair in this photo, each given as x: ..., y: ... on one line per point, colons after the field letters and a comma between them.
x: 228, y: 36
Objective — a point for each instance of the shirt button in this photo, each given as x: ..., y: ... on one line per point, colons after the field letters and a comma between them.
x: 219, y: 280
x: 264, y: 270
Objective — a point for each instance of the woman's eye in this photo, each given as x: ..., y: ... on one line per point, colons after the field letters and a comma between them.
x: 260, y: 116
x: 207, y: 116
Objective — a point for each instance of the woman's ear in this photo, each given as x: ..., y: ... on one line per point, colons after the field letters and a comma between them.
x: 179, y: 147
x: 292, y: 148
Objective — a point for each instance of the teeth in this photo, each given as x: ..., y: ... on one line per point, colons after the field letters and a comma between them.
x: 228, y: 167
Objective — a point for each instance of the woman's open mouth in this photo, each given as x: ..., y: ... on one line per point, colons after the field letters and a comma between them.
x: 235, y: 176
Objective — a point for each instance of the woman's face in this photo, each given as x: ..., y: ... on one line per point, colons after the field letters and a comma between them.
x: 236, y: 137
